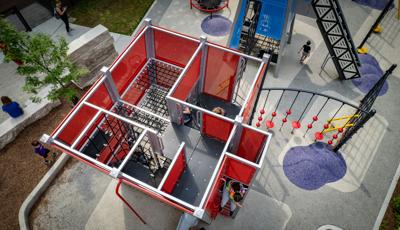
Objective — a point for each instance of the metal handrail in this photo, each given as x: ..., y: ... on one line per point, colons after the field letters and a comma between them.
x: 315, y: 93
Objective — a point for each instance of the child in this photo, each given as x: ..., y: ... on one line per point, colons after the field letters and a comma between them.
x: 233, y: 191
x: 305, y: 49
x: 43, y: 152
x: 219, y: 110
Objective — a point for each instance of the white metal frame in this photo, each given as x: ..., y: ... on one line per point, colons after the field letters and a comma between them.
x: 171, y: 166
x: 236, y: 125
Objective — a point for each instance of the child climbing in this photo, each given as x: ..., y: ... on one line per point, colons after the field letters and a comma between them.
x: 234, y: 192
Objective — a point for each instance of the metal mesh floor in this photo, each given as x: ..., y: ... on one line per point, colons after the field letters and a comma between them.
x: 153, y: 82
x: 142, y: 117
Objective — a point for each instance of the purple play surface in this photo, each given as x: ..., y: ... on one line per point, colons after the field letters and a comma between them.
x: 376, y: 4
x: 216, y: 25
x: 311, y: 167
x: 370, y: 72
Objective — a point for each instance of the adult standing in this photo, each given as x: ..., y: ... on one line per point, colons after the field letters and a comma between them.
x: 62, y: 13
x: 11, y: 107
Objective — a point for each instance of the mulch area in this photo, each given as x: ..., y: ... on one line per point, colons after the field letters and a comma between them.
x: 21, y: 169
x: 389, y: 221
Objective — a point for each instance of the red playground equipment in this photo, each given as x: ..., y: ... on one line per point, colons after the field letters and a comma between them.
x: 148, y: 121
x: 209, y: 6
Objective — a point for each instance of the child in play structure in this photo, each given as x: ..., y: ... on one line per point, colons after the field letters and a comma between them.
x: 219, y: 110
x: 234, y: 192
x: 43, y: 152
x: 305, y: 51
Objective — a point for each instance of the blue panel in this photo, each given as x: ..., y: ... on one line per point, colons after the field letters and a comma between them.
x: 272, y: 18
x: 237, y: 30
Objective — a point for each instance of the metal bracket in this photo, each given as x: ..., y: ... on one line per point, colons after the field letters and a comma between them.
x: 46, y: 139
x: 114, y: 173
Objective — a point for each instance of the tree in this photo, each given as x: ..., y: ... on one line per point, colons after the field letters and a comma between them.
x: 10, y: 40
x: 44, y: 63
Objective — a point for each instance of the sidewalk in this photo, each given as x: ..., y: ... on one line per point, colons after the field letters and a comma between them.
x: 276, y: 203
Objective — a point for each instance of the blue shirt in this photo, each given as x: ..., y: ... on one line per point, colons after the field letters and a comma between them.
x: 13, y: 109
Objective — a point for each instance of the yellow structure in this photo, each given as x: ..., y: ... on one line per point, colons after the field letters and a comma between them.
x: 346, y: 124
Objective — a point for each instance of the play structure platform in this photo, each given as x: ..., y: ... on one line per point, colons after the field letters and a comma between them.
x: 148, y: 121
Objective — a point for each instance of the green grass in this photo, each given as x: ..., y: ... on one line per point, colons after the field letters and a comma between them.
x: 119, y: 16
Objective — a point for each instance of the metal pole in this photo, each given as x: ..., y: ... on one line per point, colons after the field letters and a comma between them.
x: 378, y: 20
x: 266, y: 60
x: 126, y: 202
x: 291, y: 30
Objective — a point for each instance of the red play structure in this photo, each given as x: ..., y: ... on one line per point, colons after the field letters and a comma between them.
x: 148, y: 121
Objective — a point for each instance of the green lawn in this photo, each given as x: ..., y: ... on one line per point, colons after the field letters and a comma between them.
x: 120, y: 16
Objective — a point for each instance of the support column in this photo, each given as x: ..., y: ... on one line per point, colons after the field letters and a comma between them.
x: 110, y: 85
x: 204, y: 51
x: 291, y: 30
x: 150, y: 51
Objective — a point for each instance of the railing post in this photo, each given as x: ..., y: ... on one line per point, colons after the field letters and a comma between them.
x: 203, y: 64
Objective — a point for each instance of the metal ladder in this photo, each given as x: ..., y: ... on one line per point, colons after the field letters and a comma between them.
x: 332, y: 24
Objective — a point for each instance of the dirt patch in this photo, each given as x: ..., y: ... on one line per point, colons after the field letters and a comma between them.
x: 43, y: 200
x: 21, y: 169
x: 389, y: 221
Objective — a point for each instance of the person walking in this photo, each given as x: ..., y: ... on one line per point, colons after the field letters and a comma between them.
x: 43, y: 152
x: 11, y: 107
x: 62, y: 14
x: 305, y: 51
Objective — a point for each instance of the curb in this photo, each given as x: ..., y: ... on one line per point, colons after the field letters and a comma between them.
x: 23, y: 214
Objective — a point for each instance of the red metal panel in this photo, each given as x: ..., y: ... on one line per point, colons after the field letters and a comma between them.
x: 216, y: 127
x: 130, y: 65
x: 253, y: 95
x: 101, y: 97
x: 189, y: 80
x: 173, y: 49
x: 251, y: 144
x: 175, y: 173
x: 214, y: 199
x: 221, y: 67
x: 239, y: 171
x: 137, y: 91
x: 76, y: 125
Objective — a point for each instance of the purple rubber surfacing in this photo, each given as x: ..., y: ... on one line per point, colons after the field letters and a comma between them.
x: 216, y: 25
x: 311, y: 167
x: 376, y: 4
x: 370, y: 72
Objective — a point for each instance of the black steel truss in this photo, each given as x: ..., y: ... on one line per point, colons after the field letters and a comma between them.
x: 332, y: 24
